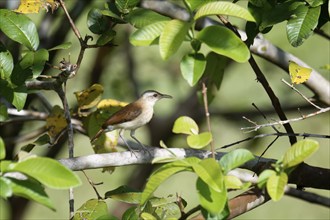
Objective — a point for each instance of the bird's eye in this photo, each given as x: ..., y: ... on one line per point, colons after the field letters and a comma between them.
x: 155, y: 95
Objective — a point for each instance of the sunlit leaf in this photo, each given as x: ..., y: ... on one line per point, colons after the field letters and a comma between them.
x: 192, y: 67
x: 2, y: 149
x: 276, y: 185
x: 185, y: 125
x: 210, y: 172
x: 172, y: 37
x: 148, y: 34
x: 298, y: 152
x: 199, y: 141
x: 142, y: 17
x: 47, y: 171
x: 235, y: 159
x: 19, y: 28
x: 124, y: 194
x: 89, y: 97
x: 5, y: 188
x: 223, y: 41
x: 92, y: 209
x: 63, y: 46
x: 223, y: 8
x: 6, y: 63
x: 233, y: 182
x: 263, y: 177
x: 211, y: 200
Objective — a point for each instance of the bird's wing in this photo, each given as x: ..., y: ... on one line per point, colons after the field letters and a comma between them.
x: 127, y: 113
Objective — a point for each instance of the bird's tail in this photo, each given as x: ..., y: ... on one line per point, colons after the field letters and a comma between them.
x: 98, y: 134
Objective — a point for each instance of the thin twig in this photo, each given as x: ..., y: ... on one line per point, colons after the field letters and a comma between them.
x: 207, y: 114
x: 284, y: 122
x: 262, y: 79
x: 280, y: 134
x: 264, y: 116
x: 93, y: 185
x: 190, y: 212
x: 302, y: 95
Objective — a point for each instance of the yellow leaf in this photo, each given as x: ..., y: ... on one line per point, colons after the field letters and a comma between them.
x: 298, y: 73
x: 56, y: 122
x: 106, y: 103
x: 89, y: 98
x: 34, y: 6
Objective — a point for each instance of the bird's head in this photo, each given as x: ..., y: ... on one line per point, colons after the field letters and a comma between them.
x: 152, y: 96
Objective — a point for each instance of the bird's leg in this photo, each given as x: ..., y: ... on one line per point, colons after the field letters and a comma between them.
x: 144, y: 148
x: 129, y: 148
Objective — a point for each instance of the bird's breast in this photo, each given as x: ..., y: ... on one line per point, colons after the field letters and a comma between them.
x: 139, y: 121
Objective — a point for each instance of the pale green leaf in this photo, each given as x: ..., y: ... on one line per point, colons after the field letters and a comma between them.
x: 172, y: 37
x: 199, y: 141
x: 185, y: 125
x: 19, y: 28
x: 142, y: 17
x: 211, y: 200
x: 223, y: 41
x: 5, y: 188
x: 146, y: 35
x: 263, y: 177
x: 48, y: 171
x: 223, y: 8
x: 276, y: 185
x: 194, y: 4
x: 233, y: 182
x: 92, y: 209
x: 302, y: 24
x: 63, y: 46
x: 2, y: 149
x: 192, y: 67
x: 210, y: 172
x: 235, y: 159
x: 124, y: 194
x: 32, y: 190
x: 298, y: 152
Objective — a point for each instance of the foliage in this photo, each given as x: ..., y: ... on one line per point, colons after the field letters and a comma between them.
x: 210, y: 49
x: 28, y: 176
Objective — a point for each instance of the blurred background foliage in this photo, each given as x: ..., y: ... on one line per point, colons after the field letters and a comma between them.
x: 126, y: 71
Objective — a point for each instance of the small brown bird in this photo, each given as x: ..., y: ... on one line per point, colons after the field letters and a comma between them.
x: 132, y: 116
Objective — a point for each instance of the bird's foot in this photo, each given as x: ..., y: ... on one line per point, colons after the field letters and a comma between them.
x: 145, y: 149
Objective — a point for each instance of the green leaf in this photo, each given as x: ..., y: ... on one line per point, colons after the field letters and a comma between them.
x: 302, y: 24
x: 223, y: 8
x: 192, y: 67
x: 32, y: 190
x: 63, y: 46
x: 172, y: 37
x: 6, y: 63
x: 5, y: 188
x: 125, y: 6
x: 276, y: 185
x: 165, y: 172
x: 223, y: 41
x: 147, y: 34
x: 147, y: 216
x: 199, y: 141
x: 2, y: 149
x: 299, y: 152
x: 49, y: 172
x: 141, y: 17
x: 233, y: 182
x: 315, y: 3
x: 264, y: 176
x: 165, y: 208
x: 213, y: 201
x: 124, y: 194
x: 235, y: 159
x: 131, y: 214
x: 3, y: 113
x: 106, y: 37
x: 185, y: 125
x: 194, y: 4
x: 96, y: 22
x: 19, y: 28
x: 210, y: 172
x: 92, y: 209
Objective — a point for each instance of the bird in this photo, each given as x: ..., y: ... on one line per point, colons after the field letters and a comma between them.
x: 132, y: 116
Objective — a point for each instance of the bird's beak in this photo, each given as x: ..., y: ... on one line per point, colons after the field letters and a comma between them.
x: 166, y: 96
